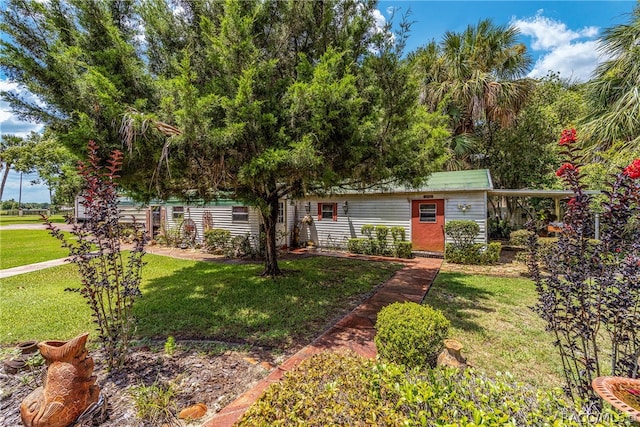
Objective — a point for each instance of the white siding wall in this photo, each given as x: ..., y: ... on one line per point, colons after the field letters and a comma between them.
x: 476, y: 211
x: 127, y: 212
x: 287, y: 227
x: 389, y: 210
x: 222, y: 218
x: 139, y: 212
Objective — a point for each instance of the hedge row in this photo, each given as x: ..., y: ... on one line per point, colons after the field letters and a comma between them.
x: 376, y: 242
x: 463, y: 250
x: 475, y: 253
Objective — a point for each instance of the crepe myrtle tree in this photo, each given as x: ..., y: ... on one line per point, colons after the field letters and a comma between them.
x: 588, y: 289
x: 257, y: 100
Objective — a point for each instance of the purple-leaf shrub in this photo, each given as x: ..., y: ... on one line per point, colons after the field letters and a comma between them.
x: 589, y: 290
x: 110, y: 277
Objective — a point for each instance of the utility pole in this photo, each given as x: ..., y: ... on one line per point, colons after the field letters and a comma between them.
x: 20, y: 197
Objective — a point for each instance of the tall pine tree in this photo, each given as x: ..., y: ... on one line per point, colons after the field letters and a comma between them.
x: 258, y: 99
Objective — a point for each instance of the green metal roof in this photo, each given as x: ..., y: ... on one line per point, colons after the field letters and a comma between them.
x: 476, y: 179
x: 467, y: 180
x: 127, y: 201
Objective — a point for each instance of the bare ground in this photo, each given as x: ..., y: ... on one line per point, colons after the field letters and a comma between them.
x: 209, y: 373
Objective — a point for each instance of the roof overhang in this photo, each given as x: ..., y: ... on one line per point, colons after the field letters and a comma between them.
x: 553, y: 194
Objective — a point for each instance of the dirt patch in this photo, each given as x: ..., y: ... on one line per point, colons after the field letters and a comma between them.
x: 208, y: 373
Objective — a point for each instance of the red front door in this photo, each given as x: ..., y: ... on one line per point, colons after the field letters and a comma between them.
x: 427, y: 225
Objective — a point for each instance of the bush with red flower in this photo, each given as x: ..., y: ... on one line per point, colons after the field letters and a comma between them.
x: 568, y: 136
x: 589, y: 290
x: 633, y: 170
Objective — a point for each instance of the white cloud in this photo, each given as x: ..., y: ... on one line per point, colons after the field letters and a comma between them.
x: 9, y: 122
x: 572, y: 53
x: 575, y: 61
x: 380, y: 20
x: 545, y: 32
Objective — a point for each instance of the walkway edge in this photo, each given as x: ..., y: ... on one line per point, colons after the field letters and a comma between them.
x: 14, y: 271
x: 353, y: 332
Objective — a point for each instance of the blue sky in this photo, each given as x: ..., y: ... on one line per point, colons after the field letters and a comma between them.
x: 560, y: 35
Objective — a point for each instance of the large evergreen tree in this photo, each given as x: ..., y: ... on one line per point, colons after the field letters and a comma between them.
x: 257, y: 99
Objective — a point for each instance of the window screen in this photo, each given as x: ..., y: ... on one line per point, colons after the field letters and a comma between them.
x: 177, y: 212
x: 327, y: 211
x: 240, y: 213
x: 428, y: 212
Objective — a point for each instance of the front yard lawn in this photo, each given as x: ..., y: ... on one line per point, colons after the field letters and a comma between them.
x: 200, y: 300
x: 28, y: 219
x: 22, y: 247
x: 492, y: 318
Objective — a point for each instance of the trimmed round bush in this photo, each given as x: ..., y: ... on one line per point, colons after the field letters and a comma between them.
x: 410, y: 334
x: 462, y: 231
x: 520, y: 238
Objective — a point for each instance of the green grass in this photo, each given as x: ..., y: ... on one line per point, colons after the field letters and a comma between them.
x: 28, y: 219
x: 22, y: 247
x: 226, y: 301
x: 492, y: 318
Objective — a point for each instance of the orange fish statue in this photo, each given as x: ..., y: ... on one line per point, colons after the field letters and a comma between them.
x: 69, y: 386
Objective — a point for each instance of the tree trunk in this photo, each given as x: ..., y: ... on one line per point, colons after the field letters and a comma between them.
x: 270, y: 220
x: 7, y: 167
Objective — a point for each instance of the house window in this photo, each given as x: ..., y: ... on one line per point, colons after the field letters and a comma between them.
x: 178, y: 212
x: 428, y: 212
x: 240, y: 213
x: 280, y: 212
x: 327, y: 211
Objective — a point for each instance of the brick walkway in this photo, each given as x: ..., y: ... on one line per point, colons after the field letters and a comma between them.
x: 355, y: 331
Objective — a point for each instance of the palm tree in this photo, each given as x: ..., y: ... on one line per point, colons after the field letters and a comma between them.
x: 477, y: 78
x: 614, y: 91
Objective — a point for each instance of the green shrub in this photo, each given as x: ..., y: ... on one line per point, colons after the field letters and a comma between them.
x: 170, y: 236
x: 410, y: 334
x: 380, y: 244
x: 357, y: 245
x: 155, y: 402
x: 520, y: 238
x: 397, y: 234
x: 473, y: 254
x: 329, y: 389
x: 367, y: 230
x: 382, y: 231
x: 240, y: 247
x: 346, y: 389
x: 403, y: 249
x: 491, y: 255
x: 170, y: 345
x: 216, y: 240
x: 463, y: 232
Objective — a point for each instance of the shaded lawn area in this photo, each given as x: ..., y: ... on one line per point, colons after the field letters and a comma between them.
x: 226, y: 301
x: 492, y: 318
x: 28, y: 219
x: 22, y: 247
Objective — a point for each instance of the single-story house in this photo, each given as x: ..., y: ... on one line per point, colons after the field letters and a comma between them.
x: 422, y: 212
x: 330, y: 221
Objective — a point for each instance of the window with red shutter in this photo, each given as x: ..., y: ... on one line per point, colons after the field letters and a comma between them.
x: 328, y: 211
